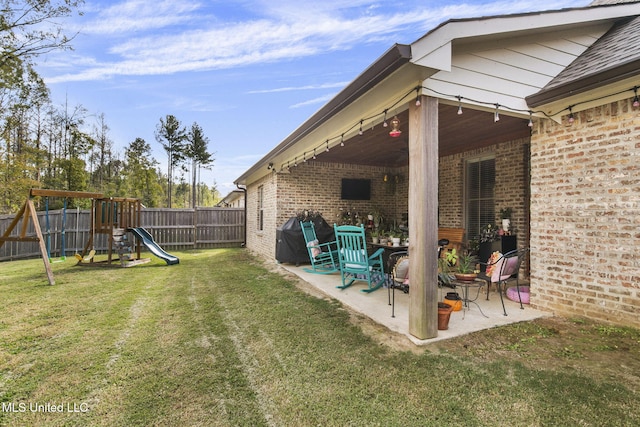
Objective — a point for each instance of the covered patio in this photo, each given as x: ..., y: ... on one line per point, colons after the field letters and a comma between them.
x: 375, y: 306
x: 443, y: 131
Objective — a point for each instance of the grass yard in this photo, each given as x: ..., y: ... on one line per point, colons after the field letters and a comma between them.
x: 220, y: 340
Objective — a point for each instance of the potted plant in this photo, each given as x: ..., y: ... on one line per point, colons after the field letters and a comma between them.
x: 396, y: 236
x: 375, y: 236
x: 378, y: 219
x: 465, y: 265
x: 505, y: 214
x: 444, y: 272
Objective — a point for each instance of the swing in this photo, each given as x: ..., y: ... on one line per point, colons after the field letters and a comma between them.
x: 63, y: 252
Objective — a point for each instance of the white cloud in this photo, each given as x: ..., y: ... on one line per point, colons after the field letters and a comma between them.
x: 298, y: 88
x: 318, y: 100
x: 187, y: 37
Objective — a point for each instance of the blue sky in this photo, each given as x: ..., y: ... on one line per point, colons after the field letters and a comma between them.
x: 248, y: 71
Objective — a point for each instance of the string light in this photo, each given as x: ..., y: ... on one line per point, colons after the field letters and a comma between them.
x: 460, y: 98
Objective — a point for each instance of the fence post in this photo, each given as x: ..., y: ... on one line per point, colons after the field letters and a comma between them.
x: 195, y: 227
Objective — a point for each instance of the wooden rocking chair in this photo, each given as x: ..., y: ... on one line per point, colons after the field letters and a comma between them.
x: 355, y: 263
x: 323, y: 256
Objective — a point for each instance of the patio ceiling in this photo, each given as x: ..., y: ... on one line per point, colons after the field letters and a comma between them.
x: 457, y: 133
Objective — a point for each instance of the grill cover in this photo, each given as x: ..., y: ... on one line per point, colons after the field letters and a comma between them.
x: 290, y: 245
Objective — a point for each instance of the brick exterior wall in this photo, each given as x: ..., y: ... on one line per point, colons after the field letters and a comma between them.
x: 316, y: 186
x: 510, y: 189
x: 585, y: 215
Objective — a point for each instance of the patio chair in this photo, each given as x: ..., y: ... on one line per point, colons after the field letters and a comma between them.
x: 398, y: 265
x: 501, y: 270
x: 355, y: 263
x: 323, y: 256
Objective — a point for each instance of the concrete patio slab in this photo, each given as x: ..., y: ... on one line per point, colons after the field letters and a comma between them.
x: 375, y: 305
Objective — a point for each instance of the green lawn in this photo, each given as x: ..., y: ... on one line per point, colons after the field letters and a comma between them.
x: 221, y: 340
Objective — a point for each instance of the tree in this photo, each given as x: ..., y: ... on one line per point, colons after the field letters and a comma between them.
x: 31, y: 28
x: 171, y: 135
x: 140, y: 178
x: 101, y: 157
x: 196, y: 151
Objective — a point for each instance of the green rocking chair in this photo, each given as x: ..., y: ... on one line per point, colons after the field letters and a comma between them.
x: 355, y: 263
x: 323, y: 256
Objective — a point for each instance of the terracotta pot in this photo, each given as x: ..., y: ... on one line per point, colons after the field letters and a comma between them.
x: 467, y: 277
x: 444, y: 313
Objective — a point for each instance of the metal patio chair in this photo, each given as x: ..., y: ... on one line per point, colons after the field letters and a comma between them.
x: 504, y: 269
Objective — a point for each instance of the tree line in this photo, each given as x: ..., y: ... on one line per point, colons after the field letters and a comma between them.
x: 57, y: 147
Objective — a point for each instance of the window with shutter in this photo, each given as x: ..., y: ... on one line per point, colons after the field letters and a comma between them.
x: 480, y: 179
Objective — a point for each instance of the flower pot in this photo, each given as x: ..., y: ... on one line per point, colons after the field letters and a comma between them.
x: 395, y: 241
x: 375, y: 240
x: 506, y: 223
x: 466, y: 277
x: 444, y: 313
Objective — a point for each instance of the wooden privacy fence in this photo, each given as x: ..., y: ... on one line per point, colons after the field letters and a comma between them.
x: 173, y: 229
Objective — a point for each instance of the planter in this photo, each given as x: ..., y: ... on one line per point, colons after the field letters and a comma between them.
x: 395, y: 241
x: 444, y: 313
x: 506, y: 223
x: 466, y: 277
x: 375, y: 240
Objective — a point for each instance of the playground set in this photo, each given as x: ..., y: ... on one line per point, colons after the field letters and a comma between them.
x: 111, y: 216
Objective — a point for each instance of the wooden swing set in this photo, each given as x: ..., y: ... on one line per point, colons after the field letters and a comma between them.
x: 112, y: 216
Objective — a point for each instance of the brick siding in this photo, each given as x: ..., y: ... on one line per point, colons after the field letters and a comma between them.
x: 585, y: 214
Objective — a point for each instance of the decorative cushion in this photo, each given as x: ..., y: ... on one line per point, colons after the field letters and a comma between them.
x: 492, y: 263
x: 401, y: 270
x: 507, y: 271
x: 315, y: 250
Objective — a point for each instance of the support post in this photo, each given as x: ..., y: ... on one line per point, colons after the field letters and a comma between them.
x: 423, y: 218
x: 43, y: 249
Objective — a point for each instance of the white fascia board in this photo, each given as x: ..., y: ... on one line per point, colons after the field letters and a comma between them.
x: 432, y: 48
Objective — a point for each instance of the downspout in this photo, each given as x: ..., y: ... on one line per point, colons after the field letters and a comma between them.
x: 244, y: 190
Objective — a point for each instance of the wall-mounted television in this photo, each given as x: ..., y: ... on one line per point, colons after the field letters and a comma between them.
x: 355, y: 189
